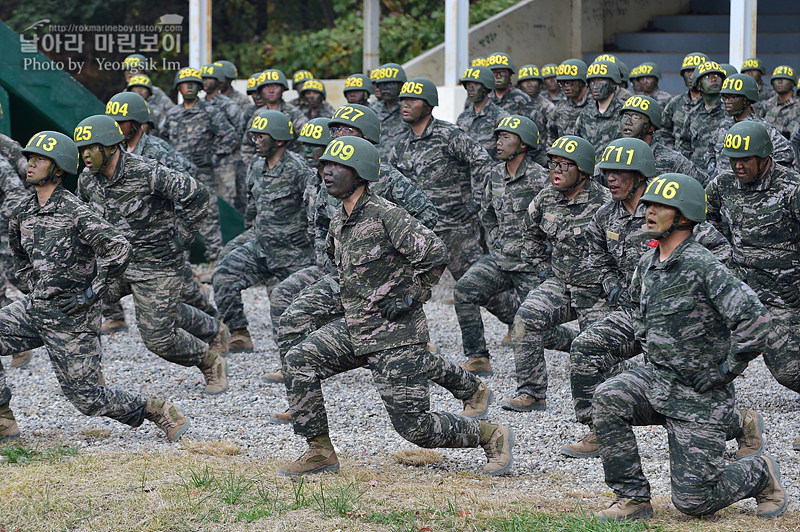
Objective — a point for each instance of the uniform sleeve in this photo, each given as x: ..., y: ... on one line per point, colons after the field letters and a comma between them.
x: 109, y: 246
x: 183, y: 190
x: 421, y: 247
x: 782, y: 152
x: 707, y: 236
x: 470, y: 154
x: 22, y: 262
x: 535, y: 249
x: 714, y: 203
x: 599, y: 257
x: 715, y: 145
x: 413, y: 199
x: 637, y: 310
x: 226, y: 139
x: 488, y: 215
x: 12, y: 188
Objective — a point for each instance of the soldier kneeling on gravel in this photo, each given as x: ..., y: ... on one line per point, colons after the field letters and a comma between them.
x: 701, y: 326
x: 55, y: 239
x: 387, y: 263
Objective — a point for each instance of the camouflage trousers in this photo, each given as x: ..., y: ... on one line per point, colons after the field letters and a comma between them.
x: 242, y: 238
x: 210, y: 229
x: 315, y: 305
x: 238, y: 270
x: 598, y: 353
x: 401, y: 376
x: 192, y: 294
x: 782, y: 355
x: 287, y: 290
x: 75, y: 357
x: 483, y: 281
x: 702, y: 481
x: 225, y: 172
x: 172, y: 330
x: 550, y: 304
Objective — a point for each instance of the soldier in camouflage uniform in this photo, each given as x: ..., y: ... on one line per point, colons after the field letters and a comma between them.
x: 700, y: 326
x: 383, y: 287
x: 645, y: 82
x: 201, y: 133
x: 137, y: 64
x: 598, y: 121
x: 511, y: 188
x: 640, y: 118
x: 529, y: 81
x: 231, y: 73
x: 388, y: 80
x: 357, y: 88
x: 682, y: 105
x: 310, y: 298
x: 271, y: 84
x: 622, y: 85
x: 299, y: 79
x: 228, y: 166
x: 143, y: 86
x: 555, y: 230
x: 505, y: 94
x: 314, y: 94
x: 482, y: 115
x: 11, y: 151
x: 755, y: 68
x: 738, y: 99
x: 572, y: 80
x: 783, y: 109
x: 56, y: 240
x: 549, y: 73
x: 756, y: 206
x: 616, y: 243
x: 279, y: 244
x: 700, y: 128
x: 246, y: 146
x: 158, y: 211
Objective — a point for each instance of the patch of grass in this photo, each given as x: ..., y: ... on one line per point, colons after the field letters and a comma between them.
x: 526, y: 521
x: 233, y: 487
x: 341, y: 500
x: 202, y: 479
x: 212, y: 447
x: 21, y: 453
x: 418, y: 457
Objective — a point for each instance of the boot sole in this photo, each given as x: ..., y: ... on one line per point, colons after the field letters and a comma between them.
x: 507, y: 405
x: 575, y: 454
x: 485, y: 413
x: 505, y: 469
x: 24, y: 364
x: 644, y: 513
x: 778, y: 511
x: 226, y: 380
x: 758, y: 452
x: 181, y: 431
x: 333, y: 468
x: 10, y: 437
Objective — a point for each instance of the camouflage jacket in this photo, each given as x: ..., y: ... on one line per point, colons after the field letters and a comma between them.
x: 544, y: 112
x: 617, y: 241
x: 514, y: 101
x: 662, y: 97
x: 559, y: 224
x: 199, y: 132
x: 151, y: 147
x: 480, y: 126
x: 567, y: 112
x: 669, y: 160
x: 276, y: 196
x: 505, y: 205
x: 242, y: 100
x: 12, y: 193
x: 699, y: 132
x: 555, y: 100
x: 717, y: 162
x: 765, y: 91
x: 783, y: 115
x: 326, y: 110
x: 150, y: 205
x: 692, y: 313
x: 392, y: 127
x: 159, y: 104
x: 673, y: 120
x: 381, y: 251
x: 247, y: 148
x: 11, y: 151
x: 762, y: 222
x: 392, y: 186
x: 599, y: 128
x: 450, y: 166
x: 55, y: 247
x: 233, y: 113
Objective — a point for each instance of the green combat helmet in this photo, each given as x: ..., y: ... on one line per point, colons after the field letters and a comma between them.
x: 741, y: 85
x: 142, y: 80
x: 681, y: 192
x: 356, y: 153
x: 576, y: 149
x: 529, y: 72
x: 135, y: 63
x: 315, y: 132
x: 693, y: 60
x: 728, y: 68
x: 478, y: 74
x: 98, y: 129
x: 421, y: 88
x: 784, y: 72
x: 274, y: 123
x: 228, y: 68
x: 314, y: 85
x: 500, y: 60
x: 604, y: 69
x: 55, y: 146
x: 187, y: 74
x: 646, y: 69
x: 754, y: 63
x: 572, y: 69
x: 272, y: 75
x: 357, y: 82
x: 550, y: 70
x: 360, y: 117
x: 128, y: 106
x: 629, y: 154
x: 389, y: 72
x: 747, y: 139
x: 252, y: 82
x: 521, y: 126
x: 478, y: 61
x: 212, y: 71
x: 300, y: 77
x: 646, y: 106
x: 707, y: 67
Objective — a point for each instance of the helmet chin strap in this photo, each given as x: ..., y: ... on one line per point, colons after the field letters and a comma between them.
x: 575, y: 185
x: 674, y: 227
x: 639, y: 183
x: 106, y: 158
x: 423, y: 116
x: 357, y: 182
x: 51, y: 176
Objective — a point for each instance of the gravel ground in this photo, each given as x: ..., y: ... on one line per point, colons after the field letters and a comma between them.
x: 360, y: 427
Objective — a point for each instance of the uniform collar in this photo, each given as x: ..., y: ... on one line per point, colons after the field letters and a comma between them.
x: 674, y: 257
x: 762, y: 184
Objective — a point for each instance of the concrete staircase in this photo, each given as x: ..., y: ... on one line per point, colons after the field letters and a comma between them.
x: 705, y: 29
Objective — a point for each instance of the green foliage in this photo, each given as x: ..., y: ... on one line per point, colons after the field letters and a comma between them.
x: 20, y: 453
